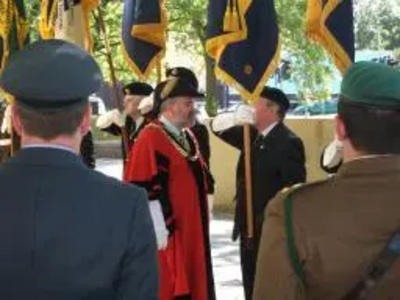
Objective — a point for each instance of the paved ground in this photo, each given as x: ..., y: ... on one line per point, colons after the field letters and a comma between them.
x: 225, y: 253
x: 226, y: 261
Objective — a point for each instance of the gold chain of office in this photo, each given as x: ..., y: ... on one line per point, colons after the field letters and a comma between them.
x: 185, y: 153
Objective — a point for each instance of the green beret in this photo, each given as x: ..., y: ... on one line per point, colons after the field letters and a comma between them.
x: 51, y: 75
x: 372, y: 84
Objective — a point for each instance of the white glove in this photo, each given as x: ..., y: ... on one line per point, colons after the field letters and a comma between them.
x: 333, y: 154
x: 244, y: 115
x: 111, y: 117
x: 159, y: 224
x: 222, y: 122
x: 210, y: 200
x: 146, y: 105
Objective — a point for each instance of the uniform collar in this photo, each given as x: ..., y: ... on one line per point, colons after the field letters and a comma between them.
x: 49, y: 146
x: 376, y: 164
x: 47, y: 156
x: 267, y: 130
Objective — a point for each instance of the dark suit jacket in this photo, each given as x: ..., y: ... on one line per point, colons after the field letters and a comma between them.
x: 203, y: 138
x: 278, y: 161
x: 200, y: 131
x: 69, y: 233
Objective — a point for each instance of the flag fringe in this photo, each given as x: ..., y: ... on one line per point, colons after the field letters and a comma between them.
x: 216, y: 45
x: 135, y: 68
x: 47, y: 22
x: 152, y: 33
x: 317, y: 31
x: 247, y: 95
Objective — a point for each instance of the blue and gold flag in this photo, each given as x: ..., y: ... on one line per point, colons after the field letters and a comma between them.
x: 13, y: 28
x: 68, y: 20
x: 143, y: 35
x: 243, y: 38
x: 330, y: 23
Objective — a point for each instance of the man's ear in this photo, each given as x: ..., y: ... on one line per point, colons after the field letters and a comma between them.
x: 16, y: 120
x: 340, y: 129
x: 85, y: 125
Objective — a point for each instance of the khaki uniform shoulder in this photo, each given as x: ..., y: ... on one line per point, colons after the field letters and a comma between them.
x: 300, y: 188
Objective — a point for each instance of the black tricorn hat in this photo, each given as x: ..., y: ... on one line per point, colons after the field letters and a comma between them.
x: 172, y: 88
x: 185, y: 74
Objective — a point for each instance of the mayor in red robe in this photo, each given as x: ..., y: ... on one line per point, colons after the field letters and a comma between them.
x: 167, y: 162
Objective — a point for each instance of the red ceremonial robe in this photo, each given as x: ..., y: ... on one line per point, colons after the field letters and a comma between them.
x: 176, y: 177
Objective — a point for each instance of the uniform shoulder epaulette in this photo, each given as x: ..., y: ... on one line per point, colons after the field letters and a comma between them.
x: 300, y: 187
x: 290, y: 189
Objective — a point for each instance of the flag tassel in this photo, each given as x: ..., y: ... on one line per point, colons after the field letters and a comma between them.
x: 231, y: 18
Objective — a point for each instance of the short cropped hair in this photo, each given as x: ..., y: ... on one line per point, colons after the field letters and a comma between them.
x: 51, y: 124
x: 371, y: 130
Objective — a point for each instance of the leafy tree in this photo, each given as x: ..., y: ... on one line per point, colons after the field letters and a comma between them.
x: 187, y: 24
x: 112, y: 15
x: 377, y: 24
x: 309, y: 69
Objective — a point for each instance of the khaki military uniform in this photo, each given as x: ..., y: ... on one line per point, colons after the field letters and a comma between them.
x: 340, y: 225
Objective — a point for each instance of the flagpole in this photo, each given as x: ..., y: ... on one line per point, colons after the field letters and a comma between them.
x: 112, y: 75
x: 248, y: 180
x: 159, y: 71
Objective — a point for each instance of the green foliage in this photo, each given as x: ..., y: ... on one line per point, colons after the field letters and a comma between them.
x: 187, y: 25
x: 310, y: 69
x: 112, y: 14
x: 33, y: 15
x: 188, y: 19
x: 377, y: 24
